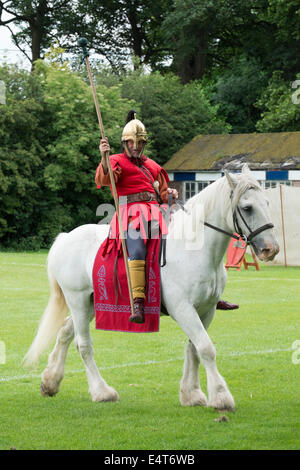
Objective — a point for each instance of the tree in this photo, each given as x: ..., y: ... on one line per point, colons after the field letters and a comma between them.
x: 116, y: 29
x: 279, y: 105
x: 120, y: 29
x: 201, y: 32
x: 21, y: 154
x: 49, y: 138
x: 172, y: 113
x: 40, y: 23
x: 236, y: 91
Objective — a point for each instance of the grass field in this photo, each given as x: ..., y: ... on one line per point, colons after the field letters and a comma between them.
x: 254, y: 354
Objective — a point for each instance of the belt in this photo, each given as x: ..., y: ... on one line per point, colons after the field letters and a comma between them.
x: 145, y: 196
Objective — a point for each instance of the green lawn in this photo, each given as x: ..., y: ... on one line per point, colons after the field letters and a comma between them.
x: 254, y: 354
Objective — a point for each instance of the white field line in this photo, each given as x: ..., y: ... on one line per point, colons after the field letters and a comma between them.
x: 22, y: 288
x: 263, y: 279
x: 23, y: 264
x: 146, y: 363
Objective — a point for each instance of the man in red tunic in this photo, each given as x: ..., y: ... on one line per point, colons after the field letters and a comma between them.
x: 143, y: 184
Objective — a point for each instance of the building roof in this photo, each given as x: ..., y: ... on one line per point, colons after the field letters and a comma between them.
x: 279, y: 150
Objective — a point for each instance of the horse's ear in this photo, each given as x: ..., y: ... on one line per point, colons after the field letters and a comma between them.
x: 230, y: 179
x: 246, y: 169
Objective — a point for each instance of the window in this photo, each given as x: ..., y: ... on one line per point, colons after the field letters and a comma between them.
x: 191, y: 188
x: 273, y: 184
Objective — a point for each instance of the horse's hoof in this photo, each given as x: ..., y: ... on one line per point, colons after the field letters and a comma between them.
x: 192, y: 398
x: 223, y: 402
x: 110, y: 394
x: 45, y: 392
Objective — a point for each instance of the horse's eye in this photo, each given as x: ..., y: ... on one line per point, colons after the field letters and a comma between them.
x: 247, y: 208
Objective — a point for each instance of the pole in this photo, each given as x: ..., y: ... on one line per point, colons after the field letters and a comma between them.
x: 82, y: 42
x: 282, y: 224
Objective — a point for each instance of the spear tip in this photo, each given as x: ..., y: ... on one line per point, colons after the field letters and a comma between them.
x: 82, y: 42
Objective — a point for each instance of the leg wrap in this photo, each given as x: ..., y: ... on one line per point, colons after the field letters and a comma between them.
x: 137, y: 277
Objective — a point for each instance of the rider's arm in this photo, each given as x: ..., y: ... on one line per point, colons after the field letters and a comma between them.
x: 103, y: 179
x: 102, y: 176
x: 163, y: 186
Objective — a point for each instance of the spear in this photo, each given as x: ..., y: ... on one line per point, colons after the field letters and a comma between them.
x: 82, y: 42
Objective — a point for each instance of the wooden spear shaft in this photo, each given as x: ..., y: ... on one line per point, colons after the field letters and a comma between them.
x: 82, y: 42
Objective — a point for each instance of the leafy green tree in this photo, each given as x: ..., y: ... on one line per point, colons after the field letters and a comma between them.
x: 236, y: 91
x: 280, y: 105
x: 21, y: 153
x: 116, y: 29
x: 121, y: 29
x: 204, y: 33
x: 73, y: 138
x: 40, y: 23
x: 172, y: 113
x: 49, y: 139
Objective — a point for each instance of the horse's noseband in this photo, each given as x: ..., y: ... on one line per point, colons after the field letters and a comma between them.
x: 252, y: 234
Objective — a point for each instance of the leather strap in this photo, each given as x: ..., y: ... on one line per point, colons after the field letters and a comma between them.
x: 144, y: 196
x: 163, y: 241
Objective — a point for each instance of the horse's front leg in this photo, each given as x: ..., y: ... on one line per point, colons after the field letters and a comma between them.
x: 219, y: 396
x: 190, y: 390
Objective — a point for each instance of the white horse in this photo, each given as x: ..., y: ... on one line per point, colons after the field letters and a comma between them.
x: 192, y: 283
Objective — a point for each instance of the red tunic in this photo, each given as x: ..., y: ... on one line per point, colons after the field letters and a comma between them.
x: 111, y: 297
x: 131, y: 179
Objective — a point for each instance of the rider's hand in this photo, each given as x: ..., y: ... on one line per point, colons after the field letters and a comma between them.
x: 105, y: 151
x: 174, y: 192
x: 104, y: 147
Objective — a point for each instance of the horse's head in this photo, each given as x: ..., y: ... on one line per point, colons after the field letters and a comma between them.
x: 251, y: 214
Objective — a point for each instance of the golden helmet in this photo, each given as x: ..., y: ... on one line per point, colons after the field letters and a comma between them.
x: 134, y: 130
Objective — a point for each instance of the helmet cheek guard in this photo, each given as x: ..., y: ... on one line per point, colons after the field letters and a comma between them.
x: 135, y: 131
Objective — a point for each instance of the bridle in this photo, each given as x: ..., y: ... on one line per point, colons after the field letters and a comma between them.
x: 239, y: 235
x: 252, y: 234
x: 247, y: 238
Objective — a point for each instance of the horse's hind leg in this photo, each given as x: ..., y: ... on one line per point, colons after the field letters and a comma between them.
x: 54, y: 372
x: 81, y: 308
x: 190, y: 391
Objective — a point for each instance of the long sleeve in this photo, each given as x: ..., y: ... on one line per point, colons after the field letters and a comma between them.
x: 102, y: 179
x: 163, y: 186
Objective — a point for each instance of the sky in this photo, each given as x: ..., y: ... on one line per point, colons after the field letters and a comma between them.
x: 8, y: 51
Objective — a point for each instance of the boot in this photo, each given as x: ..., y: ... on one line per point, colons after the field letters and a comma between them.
x: 138, y: 281
x: 139, y: 313
x: 223, y: 305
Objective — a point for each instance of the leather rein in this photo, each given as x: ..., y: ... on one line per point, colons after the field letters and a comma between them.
x: 248, y: 239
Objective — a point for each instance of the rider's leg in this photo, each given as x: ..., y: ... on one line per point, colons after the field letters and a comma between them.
x: 137, y: 251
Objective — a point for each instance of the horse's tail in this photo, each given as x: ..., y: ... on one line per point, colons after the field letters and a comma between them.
x: 52, y: 319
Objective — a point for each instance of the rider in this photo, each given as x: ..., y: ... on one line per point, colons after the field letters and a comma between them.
x: 141, y: 180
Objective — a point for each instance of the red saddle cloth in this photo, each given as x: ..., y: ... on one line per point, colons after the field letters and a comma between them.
x: 111, y: 295
x: 236, y: 251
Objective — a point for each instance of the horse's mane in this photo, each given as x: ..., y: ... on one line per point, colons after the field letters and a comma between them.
x: 210, y: 196
x: 204, y: 204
